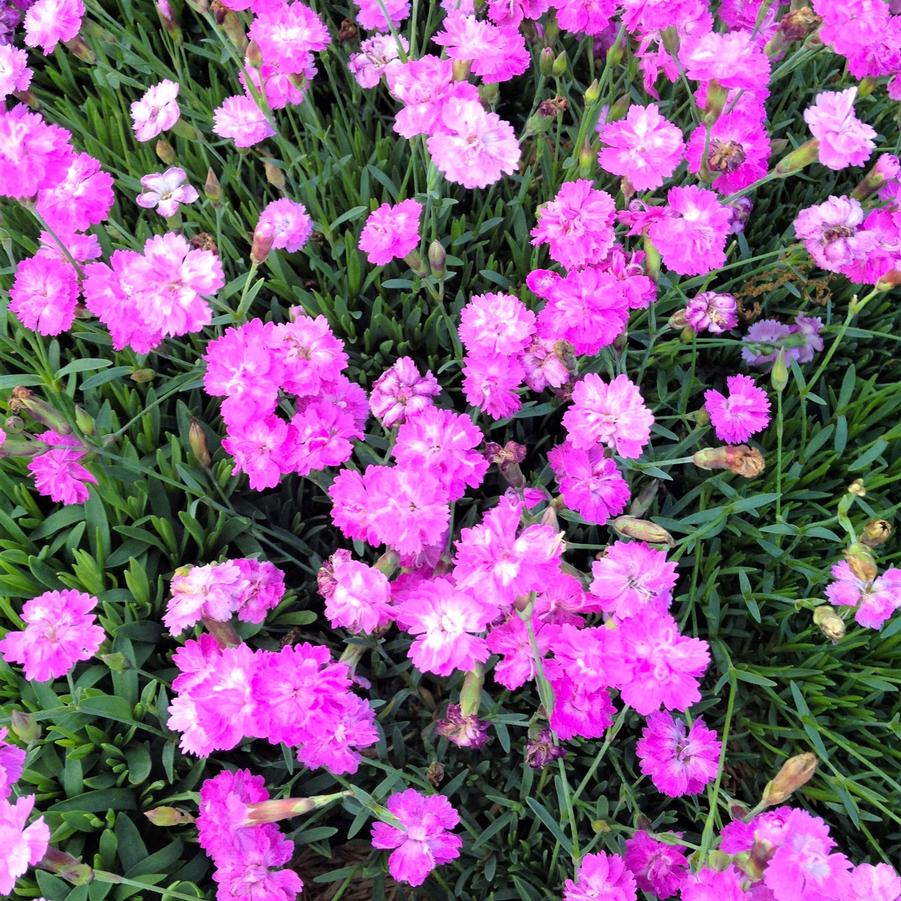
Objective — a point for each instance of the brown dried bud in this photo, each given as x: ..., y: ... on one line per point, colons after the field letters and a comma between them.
x: 212, y: 188
x: 234, y: 28
x: 165, y: 151
x: 253, y: 55
x: 725, y: 156
x: 797, y: 24
x: 348, y: 33
x: 641, y: 530
x: 541, y: 750
x: 204, y: 241
x: 549, y: 109
x: 861, y: 562
x: 25, y: 399
x: 795, y: 772
x: 857, y: 488
x: 197, y: 440
x: 462, y: 730
x: 829, y: 622
x: 876, y: 532
x: 435, y: 773
x: 275, y: 175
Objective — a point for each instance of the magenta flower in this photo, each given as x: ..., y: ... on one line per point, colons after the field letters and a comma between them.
x: 667, y: 666
x: 591, y: 17
x: 12, y: 762
x: 866, y: 34
x: 644, y: 147
x: 334, y: 743
x: 60, y: 629
x: 358, y: 597
x: 262, y: 589
x: 157, y: 111
x: 875, y: 601
x: 832, y: 233
x: 495, y: 324
x: 691, y: 235
x: 48, y: 22
x: 288, y: 34
x: 472, y: 147
x: 612, y: 414
x: 22, y: 845
x: 732, y: 60
x: 577, y: 225
x: 310, y: 355
x: 401, y: 392
x: 679, y: 762
x: 258, y: 448
x: 769, y: 827
x: 712, y: 312
x: 743, y: 413
x: 371, y: 14
x: 547, y: 363
x: 601, y: 877
x: 240, y: 119
x: 843, y: 139
x: 490, y: 382
x: 58, y: 472
x: 631, y: 577
x: 210, y: 591
x: 657, y: 867
x: 591, y: 484
x: 166, y: 191
x: 291, y: 225
x: 804, y: 867
x: 443, y: 443
x: 320, y: 435
x: 445, y: 620
x: 720, y: 885
x: 511, y: 641
x: 391, y: 232
x: 377, y: 55
x: 33, y: 154
x: 423, y: 840
x: 44, y: 294
x: 81, y: 198
x: 580, y: 710
x: 496, y: 53
x: 14, y: 72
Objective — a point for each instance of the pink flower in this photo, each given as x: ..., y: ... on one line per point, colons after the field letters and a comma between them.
x: 591, y: 658
x: 580, y: 710
x: 657, y: 867
x: 291, y: 225
x: 166, y: 191
x: 442, y: 442
x: 58, y: 473
x: 335, y: 741
x: 719, y: 885
x: 614, y: 415
x: 44, y: 294
x: 262, y: 589
x: 288, y: 34
x: 577, y: 225
x: 712, y: 312
x: 843, y: 139
x: 23, y: 846
x: 359, y: 597
x: 678, y: 762
x: 211, y: 591
x: 743, y: 413
x: 882, y: 231
x: 646, y: 16
x: 496, y: 53
x: 33, y: 154
x: 591, y: 484
x: 667, y: 665
x: 445, y: 620
x: 865, y: 33
x: 423, y: 841
x: 472, y: 147
x: 320, y: 436
x: 157, y: 111
x: 832, y: 233
x: 311, y: 356
x: 495, y: 324
x: 240, y: 119
x: 511, y: 641
x: 500, y: 564
x: 372, y: 16
x: 376, y: 57
x: 48, y: 22
x: 601, y: 877
x: 769, y: 827
x: 874, y: 883
x: 81, y: 198
x: 591, y: 17
x: 424, y: 85
x: 875, y: 601
x: 691, y: 236
x: 737, y: 148
x: 732, y: 60
x: 60, y: 629
x: 547, y: 363
x: 258, y: 447
x: 630, y: 578
x: 490, y: 382
x: 281, y: 88
x: 803, y: 867
x: 587, y: 308
x: 12, y: 762
x: 14, y: 72
x: 391, y: 232
x: 401, y: 392
x: 644, y: 147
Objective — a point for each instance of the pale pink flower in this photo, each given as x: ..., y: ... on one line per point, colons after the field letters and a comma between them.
x: 166, y: 191
x: 376, y: 57
x: 743, y: 413
x: 875, y: 600
x: 240, y: 119
x: 48, y: 22
x: 644, y: 147
x: 157, y: 111
x: 14, y: 72
x: 60, y: 629
x: 359, y: 596
x: 58, y: 472
x: 874, y: 883
x: 371, y: 15
x: 82, y: 198
x: 288, y: 34
x: 833, y: 233
x: 495, y: 324
x: 23, y: 846
x: 843, y: 139
x: 391, y: 232
x: 496, y: 53
x: 591, y: 17
x: 732, y: 60
x: 712, y: 312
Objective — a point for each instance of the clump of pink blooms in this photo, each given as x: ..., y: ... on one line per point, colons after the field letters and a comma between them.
x: 60, y: 630
x: 843, y: 140
x: 744, y: 412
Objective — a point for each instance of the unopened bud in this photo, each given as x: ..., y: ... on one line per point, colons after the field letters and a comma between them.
x: 561, y: 64
x: 779, y: 375
x: 829, y: 622
x: 857, y: 488
x: 795, y: 772
x: 67, y: 867
x: 117, y: 663
x: 25, y: 399
x: 876, y: 532
x: 168, y: 816
x: 13, y: 425
x: 263, y: 238
x: 886, y: 168
x: 78, y: 48
x: 20, y: 447
x: 740, y: 459
x: 866, y: 86
x: 165, y: 151
x: 652, y: 260
x: 211, y: 188
x: 275, y: 175
x: 620, y: 108
x: 669, y: 37
x: 795, y: 161
x: 489, y: 94
x: 889, y: 280
x: 437, y: 259
x: 861, y: 561
x: 592, y: 93
x: 716, y: 102
x: 435, y: 773
x: 416, y: 263
x: 538, y: 124
x: 461, y: 68
x: 642, y: 501
x: 253, y: 55
x: 24, y: 726
x: 143, y: 375
x: 197, y: 441
x: 234, y: 28
x: 586, y: 159
x: 284, y: 808
x: 546, y: 61
x: 199, y: 6
x: 641, y: 530
x: 83, y: 420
